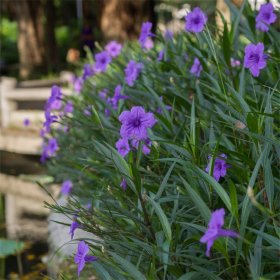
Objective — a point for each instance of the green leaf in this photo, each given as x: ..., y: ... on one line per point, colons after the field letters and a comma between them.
x: 128, y: 267
x: 198, y: 202
x: 101, y: 271
x: 217, y: 187
x: 163, y: 219
x: 10, y: 247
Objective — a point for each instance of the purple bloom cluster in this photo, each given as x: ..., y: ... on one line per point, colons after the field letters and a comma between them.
x: 132, y: 72
x: 66, y: 187
x: 215, y: 230
x: 220, y: 167
x: 82, y: 256
x: 265, y: 17
x: 113, y: 48
x: 196, y: 67
x: 123, y: 184
x: 145, y: 33
x: 195, y: 20
x: 168, y: 35
x: 49, y: 149
x: 254, y: 58
x: 160, y: 55
x: 135, y: 124
x: 102, y: 60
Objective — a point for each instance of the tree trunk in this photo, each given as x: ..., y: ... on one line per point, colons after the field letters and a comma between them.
x: 122, y: 20
x: 51, y: 47
x: 30, y: 35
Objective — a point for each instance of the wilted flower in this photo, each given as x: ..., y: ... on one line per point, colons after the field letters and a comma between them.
x: 123, y: 147
x: 254, y: 58
x: 132, y: 72
x: 49, y: 149
x: 234, y: 62
x: 195, y: 20
x: 123, y: 184
x: 81, y: 256
x: 145, y: 33
x: 117, y: 96
x: 87, y: 71
x: 26, y: 122
x: 135, y: 123
x: 196, y: 67
x: 113, y: 48
x: 146, y: 145
x: 220, y: 167
x: 215, y: 230
x: 265, y: 17
x: 74, y: 225
x: 102, y: 60
x: 66, y: 187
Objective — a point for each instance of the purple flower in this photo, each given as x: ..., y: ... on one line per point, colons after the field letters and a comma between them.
x: 49, y: 119
x: 123, y: 184
x: 160, y: 55
x: 68, y: 108
x: 149, y: 44
x: 117, y: 96
x: 215, y: 230
x: 220, y: 167
x: 81, y: 256
x: 54, y: 102
x: 145, y: 33
x: 66, y: 187
x: 135, y: 123
x: 234, y: 62
x: 102, y: 60
x: 78, y: 84
x: 123, y: 147
x: 26, y: 122
x: 195, y: 20
x: 196, y: 67
x: 254, y: 58
x: 87, y: 71
x: 74, y: 225
x: 132, y: 72
x: 265, y: 17
x: 103, y: 93
x: 49, y: 149
x: 113, y: 48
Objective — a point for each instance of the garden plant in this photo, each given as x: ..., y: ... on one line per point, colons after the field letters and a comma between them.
x: 168, y: 152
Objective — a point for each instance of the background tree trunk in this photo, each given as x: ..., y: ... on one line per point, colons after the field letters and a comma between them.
x: 51, y: 47
x: 30, y: 35
x: 122, y: 20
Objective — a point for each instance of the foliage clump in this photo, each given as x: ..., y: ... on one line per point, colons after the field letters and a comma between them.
x: 172, y: 146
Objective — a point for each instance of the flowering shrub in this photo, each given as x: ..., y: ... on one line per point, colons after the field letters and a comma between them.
x: 172, y: 151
